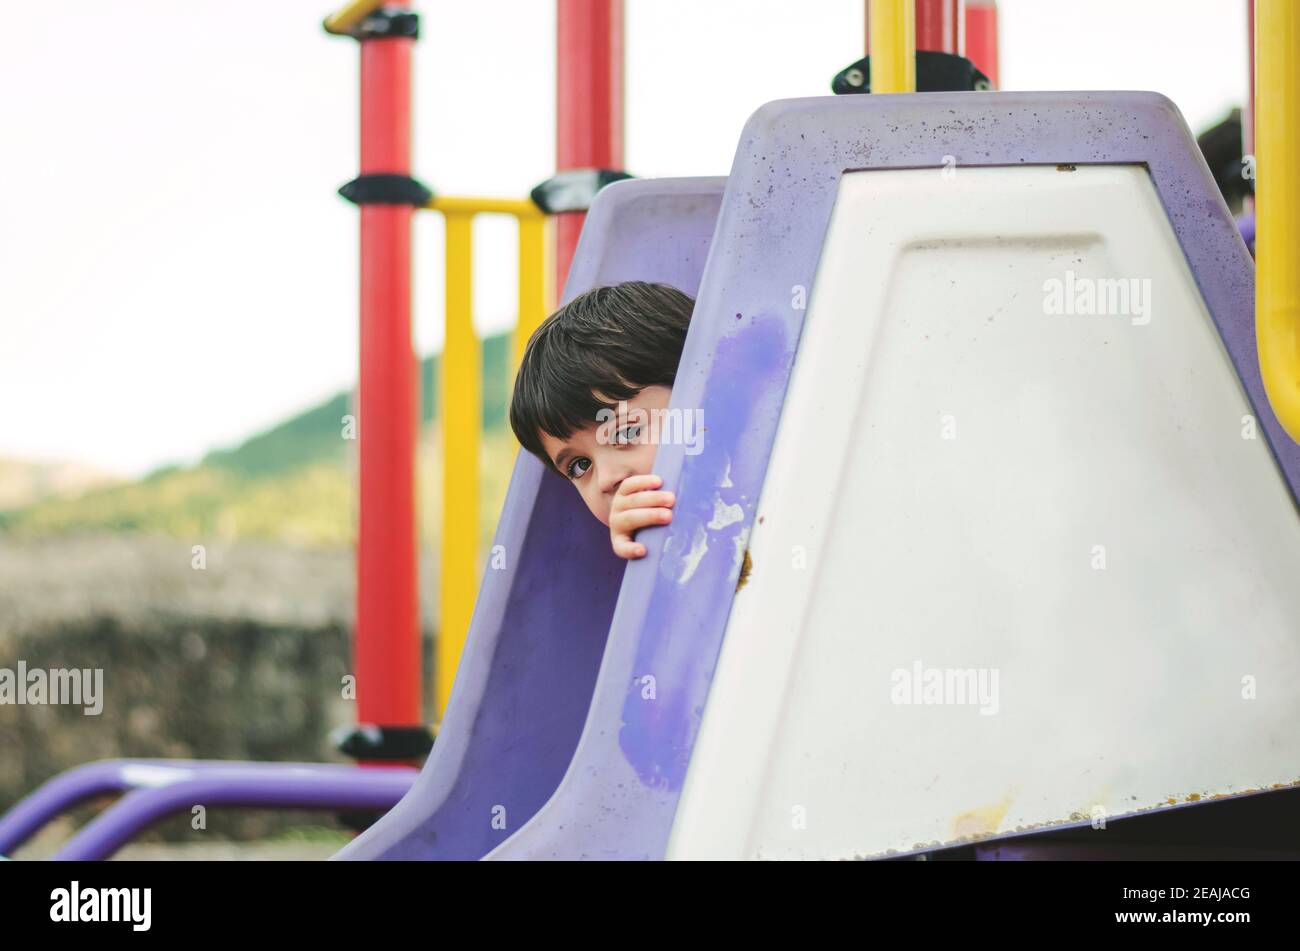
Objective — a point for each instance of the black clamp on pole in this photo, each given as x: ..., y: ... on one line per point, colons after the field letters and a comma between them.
x: 385, y: 189
x: 935, y: 72
x: 382, y: 24
x: 573, y: 189
x: 368, y: 742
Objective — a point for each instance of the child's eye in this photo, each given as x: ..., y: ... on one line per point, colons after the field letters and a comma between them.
x: 578, y: 467
x: 627, y: 435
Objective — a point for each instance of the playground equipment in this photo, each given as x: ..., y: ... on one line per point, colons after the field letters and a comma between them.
x: 589, y: 139
x: 761, y: 722
x: 937, y: 454
x: 1061, y: 410
x: 524, y: 686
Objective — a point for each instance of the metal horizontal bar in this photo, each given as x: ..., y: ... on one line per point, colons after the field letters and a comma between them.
x: 156, y: 787
x: 458, y: 205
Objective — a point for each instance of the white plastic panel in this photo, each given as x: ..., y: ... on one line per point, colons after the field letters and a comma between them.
x: 965, y: 481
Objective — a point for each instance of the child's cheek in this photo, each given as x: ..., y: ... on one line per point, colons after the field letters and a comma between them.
x: 643, y: 464
x: 598, y: 506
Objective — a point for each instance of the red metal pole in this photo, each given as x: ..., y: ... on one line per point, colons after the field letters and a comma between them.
x: 388, y: 665
x: 941, y: 26
x: 982, y: 37
x: 588, y: 102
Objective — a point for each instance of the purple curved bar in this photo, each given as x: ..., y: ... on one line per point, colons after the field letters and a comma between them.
x: 156, y: 788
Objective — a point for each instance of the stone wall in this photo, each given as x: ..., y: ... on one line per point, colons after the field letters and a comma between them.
x: 243, y: 659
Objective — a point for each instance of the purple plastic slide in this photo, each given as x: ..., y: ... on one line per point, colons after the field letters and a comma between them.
x: 536, y: 640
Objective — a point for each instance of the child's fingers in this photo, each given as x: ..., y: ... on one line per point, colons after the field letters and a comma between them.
x: 624, y: 547
x: 639, y: 483
x: 643, y: 500
x: 627, y: 522
x: 637, y: 505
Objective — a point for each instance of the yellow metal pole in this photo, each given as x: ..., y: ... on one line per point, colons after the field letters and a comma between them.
x: 1277, y: 206
x: 462, y: 406
x: 461, y: 410
x: 532, y: 283
x: 533, y: 297
x: 893, y: 46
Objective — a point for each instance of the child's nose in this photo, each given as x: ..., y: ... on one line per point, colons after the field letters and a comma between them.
x: 611, y: 478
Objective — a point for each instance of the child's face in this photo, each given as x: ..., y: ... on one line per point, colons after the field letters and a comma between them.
x: 600, y: 456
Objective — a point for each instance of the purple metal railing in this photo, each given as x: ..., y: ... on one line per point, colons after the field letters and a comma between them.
x: 156, y: 788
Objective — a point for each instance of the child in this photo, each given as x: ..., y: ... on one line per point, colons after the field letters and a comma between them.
x: 596, y: 366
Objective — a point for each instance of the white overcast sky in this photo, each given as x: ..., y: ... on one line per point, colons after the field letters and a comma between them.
x: 176, y: 271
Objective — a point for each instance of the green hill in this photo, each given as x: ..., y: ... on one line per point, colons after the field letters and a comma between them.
x: 292, y: 482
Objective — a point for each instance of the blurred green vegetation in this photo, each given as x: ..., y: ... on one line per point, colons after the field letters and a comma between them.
x: 291, y: 483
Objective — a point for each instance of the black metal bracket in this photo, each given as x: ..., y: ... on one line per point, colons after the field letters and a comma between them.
x: 386, y: 23
x: 384, y: 189
x: 370, y: 742
x: 573, y: 189
x: 935, y: 72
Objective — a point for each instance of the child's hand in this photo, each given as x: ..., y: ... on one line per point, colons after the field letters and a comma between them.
x: 635, y: 506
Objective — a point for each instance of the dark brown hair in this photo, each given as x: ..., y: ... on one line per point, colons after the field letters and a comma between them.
x: 603, y: 346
